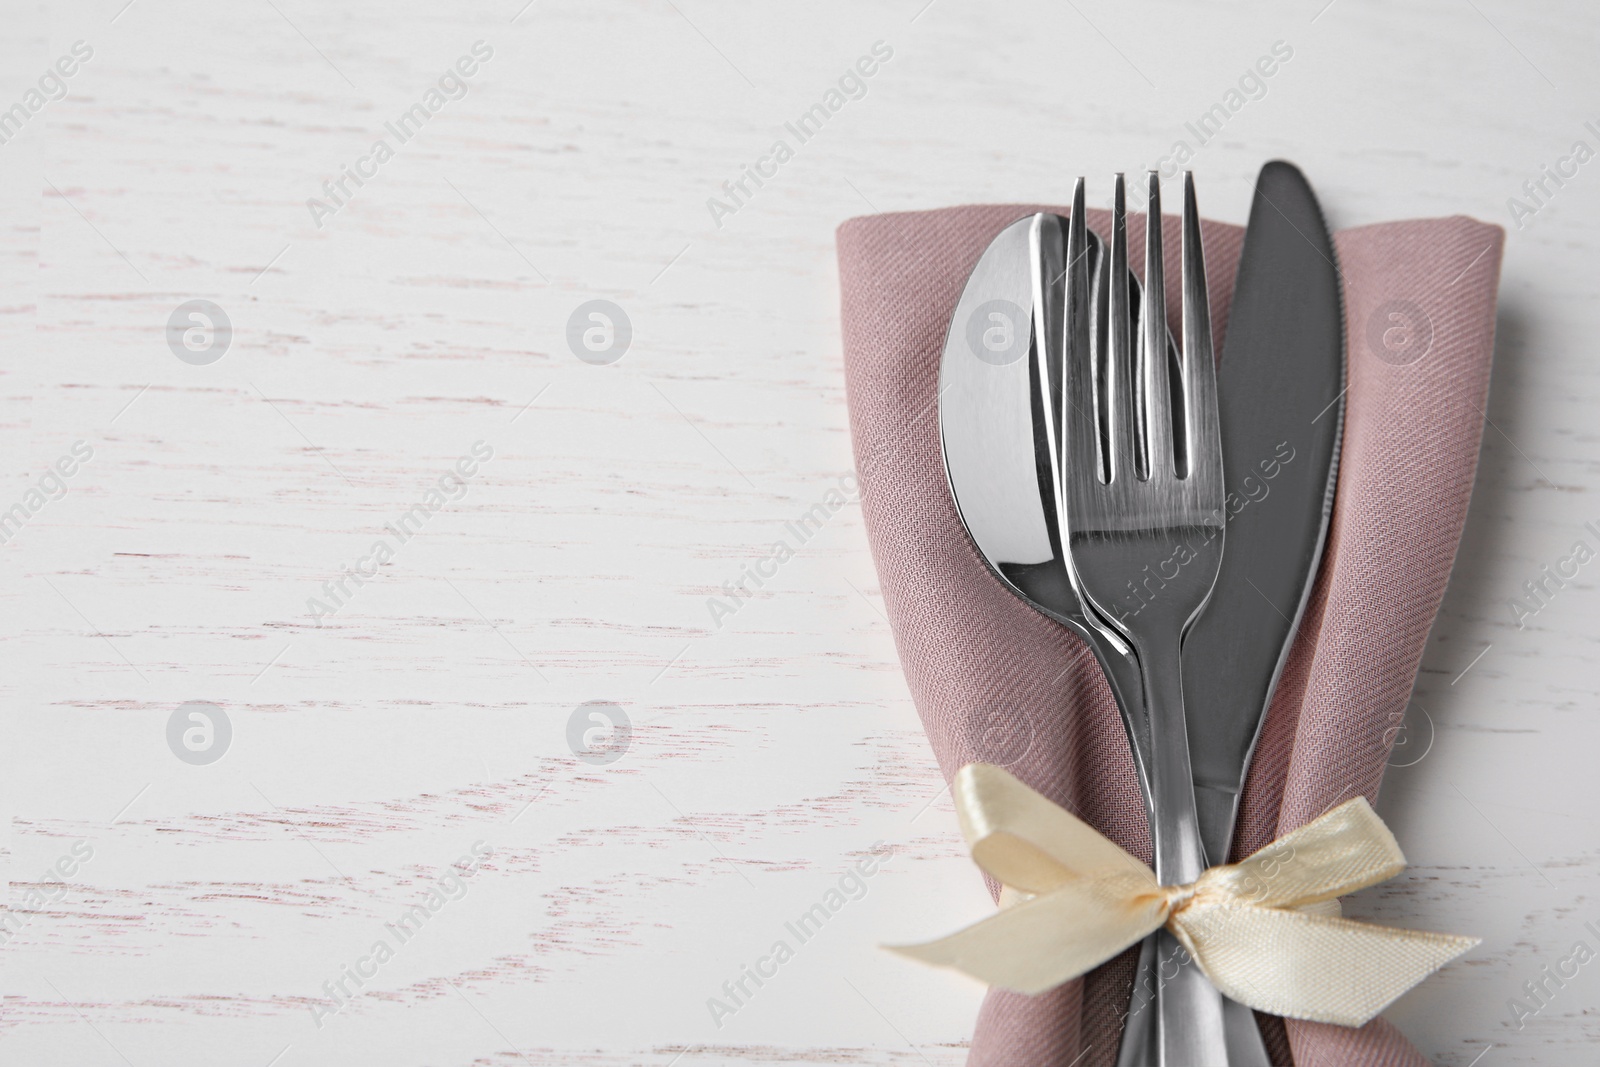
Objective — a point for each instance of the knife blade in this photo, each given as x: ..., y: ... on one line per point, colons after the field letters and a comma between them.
x: 1281, y: 389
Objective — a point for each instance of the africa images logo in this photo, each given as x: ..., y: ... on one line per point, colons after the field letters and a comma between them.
x: 450, y: 486
x: 851, y: 85
x: 453, y: 84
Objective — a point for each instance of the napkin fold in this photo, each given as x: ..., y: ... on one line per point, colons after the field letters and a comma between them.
x: 994, y: 681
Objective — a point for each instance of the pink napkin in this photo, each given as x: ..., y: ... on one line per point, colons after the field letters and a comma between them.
x: 994, y: 680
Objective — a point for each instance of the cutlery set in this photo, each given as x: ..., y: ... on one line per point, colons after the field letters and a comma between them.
x: 1170, y: 514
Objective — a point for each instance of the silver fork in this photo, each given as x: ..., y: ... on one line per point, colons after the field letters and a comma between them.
x: 1143, y: 495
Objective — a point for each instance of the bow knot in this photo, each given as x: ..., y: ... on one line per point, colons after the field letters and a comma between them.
x: 1178, y: 897
x: 1265, y: 930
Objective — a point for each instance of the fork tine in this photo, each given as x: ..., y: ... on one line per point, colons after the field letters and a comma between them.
x: 1119, y: 348
x: 1079, y: 426
x: 1204, y: 447
x: 1044, y: 245
x: 1155, y: 377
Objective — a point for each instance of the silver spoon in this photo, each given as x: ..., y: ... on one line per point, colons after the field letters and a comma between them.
x: 998, y: 448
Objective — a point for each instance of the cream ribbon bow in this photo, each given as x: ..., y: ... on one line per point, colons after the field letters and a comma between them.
x: 1259, y: 929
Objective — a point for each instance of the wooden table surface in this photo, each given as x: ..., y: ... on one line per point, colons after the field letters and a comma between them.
x: 414, y: 550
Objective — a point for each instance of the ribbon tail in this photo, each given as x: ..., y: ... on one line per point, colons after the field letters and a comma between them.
x: 1037, y: 944
x: 1306, y: 966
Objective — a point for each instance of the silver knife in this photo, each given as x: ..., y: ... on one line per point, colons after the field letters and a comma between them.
x: 1281, y: 394
x: 1281, y: 385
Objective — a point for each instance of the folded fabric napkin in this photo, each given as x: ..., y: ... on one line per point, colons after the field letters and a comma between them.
x: 993, y: 680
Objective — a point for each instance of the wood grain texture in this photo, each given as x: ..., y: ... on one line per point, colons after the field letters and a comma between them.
x: 770, y: 748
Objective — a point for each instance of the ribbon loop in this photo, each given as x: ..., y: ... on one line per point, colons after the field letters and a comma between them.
x: 1347, y: 849
x: 1264, y: 930
x: 1024, y: 840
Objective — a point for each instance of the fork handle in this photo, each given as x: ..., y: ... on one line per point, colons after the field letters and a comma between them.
x: 1138, y: 1047
x: 1179, y: 853
x: 1189, y: 1023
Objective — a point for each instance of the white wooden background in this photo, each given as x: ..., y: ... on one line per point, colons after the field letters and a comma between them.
x: 769, y: 753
